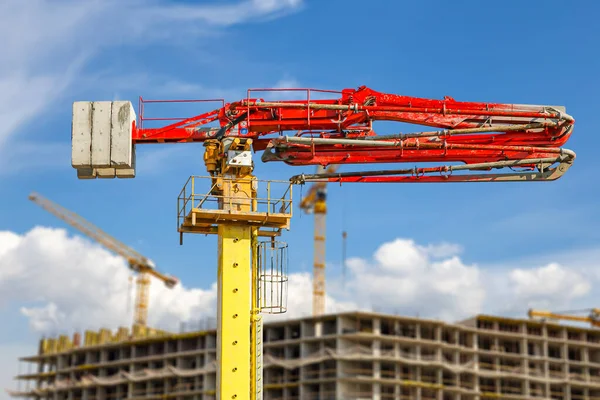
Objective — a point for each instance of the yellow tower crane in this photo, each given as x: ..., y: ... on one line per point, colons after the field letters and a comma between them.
x: 315, y: 202
x: 138, y: 263
x: 593, y: 318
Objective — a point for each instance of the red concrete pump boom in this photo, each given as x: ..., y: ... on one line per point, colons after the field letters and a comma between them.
x: 524, y: 141
x: 467, y: 141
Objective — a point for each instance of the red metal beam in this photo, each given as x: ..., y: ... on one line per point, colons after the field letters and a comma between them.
x: 470, y: 132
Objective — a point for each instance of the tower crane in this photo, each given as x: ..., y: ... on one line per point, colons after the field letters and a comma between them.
x: 593, y: 317
x: 315, y: 202
x: 144, y: 267
x: 468, y: 141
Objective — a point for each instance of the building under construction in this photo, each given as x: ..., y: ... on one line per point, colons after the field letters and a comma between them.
x: 354, y: 355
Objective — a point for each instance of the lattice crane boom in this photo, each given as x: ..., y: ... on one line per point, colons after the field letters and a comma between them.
x: 593, y: 317
x: 137, y: 262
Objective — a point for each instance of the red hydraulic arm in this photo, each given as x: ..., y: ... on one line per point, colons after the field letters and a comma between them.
x: 474, y: 136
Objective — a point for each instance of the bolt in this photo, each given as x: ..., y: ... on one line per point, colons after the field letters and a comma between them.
x: 235, y: 315
x: 236, y: 240
x: 234, y: 342
x: 234, y: 396
x: 235, y: 290
x: 233, y: 370
x: 235, y: 265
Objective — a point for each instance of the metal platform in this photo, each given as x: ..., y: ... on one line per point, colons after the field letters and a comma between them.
x: 201, y: 211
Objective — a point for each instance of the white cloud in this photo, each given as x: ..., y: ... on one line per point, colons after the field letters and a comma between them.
x: 406, y: 278
x: 224, y: 15
x: 66, y: 282
x: 433, y: 281
x: 49, y: 43
x: 63, y: 282
x: 299, y: 299
x: 550, y: 285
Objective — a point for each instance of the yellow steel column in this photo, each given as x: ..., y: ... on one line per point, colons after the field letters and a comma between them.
x: 236, y: 373
x: 256, y: 328
x: 239, y: 324
x: 234, y: 318
x: 253, y: 304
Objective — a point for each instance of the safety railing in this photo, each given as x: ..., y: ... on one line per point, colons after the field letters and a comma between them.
x: 278, y: 95
x: 142, y: 109
x: 272, y: 197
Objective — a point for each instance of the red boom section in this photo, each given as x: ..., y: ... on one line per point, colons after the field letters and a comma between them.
x: 482, y: 136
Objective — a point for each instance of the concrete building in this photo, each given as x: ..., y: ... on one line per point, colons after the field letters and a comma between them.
x: 352, y: 355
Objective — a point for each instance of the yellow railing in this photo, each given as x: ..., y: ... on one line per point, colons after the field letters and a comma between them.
x: 273, y: 197
x: 93, y: 338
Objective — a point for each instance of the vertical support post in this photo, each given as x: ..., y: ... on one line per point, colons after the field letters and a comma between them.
x: 256, y: 327
x: 234, y: 317
x: 319, y: 264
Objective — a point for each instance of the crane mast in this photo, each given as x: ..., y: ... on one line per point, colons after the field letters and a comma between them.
x: 315, y: 202
x: 467, y: 142
x: 136, y: 261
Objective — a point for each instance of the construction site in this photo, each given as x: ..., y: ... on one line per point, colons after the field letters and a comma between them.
x: 353, y: 355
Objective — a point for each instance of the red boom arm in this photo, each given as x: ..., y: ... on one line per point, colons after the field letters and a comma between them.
x: 481, y: 136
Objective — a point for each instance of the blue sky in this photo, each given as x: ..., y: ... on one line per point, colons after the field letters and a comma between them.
x: 510, y: 51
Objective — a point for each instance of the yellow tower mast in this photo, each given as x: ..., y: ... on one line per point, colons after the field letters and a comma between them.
x: 245, y: 286
x: 142, y: 265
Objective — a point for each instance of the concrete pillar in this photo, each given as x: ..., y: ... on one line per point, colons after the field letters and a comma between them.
x: 476, y: 353
x: 376, y: 375
x: 546, y: 362
x: 319, y: 329
x: 377, y: 342
x: 440, y: 381
x: 130, y: 386
x: 377, y: 326
x: 525, y: 361
x: 585, y: 357
x: 377, y: 363
x: 418, y: 379
x: 456, y: 357
x: 565, y: 366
